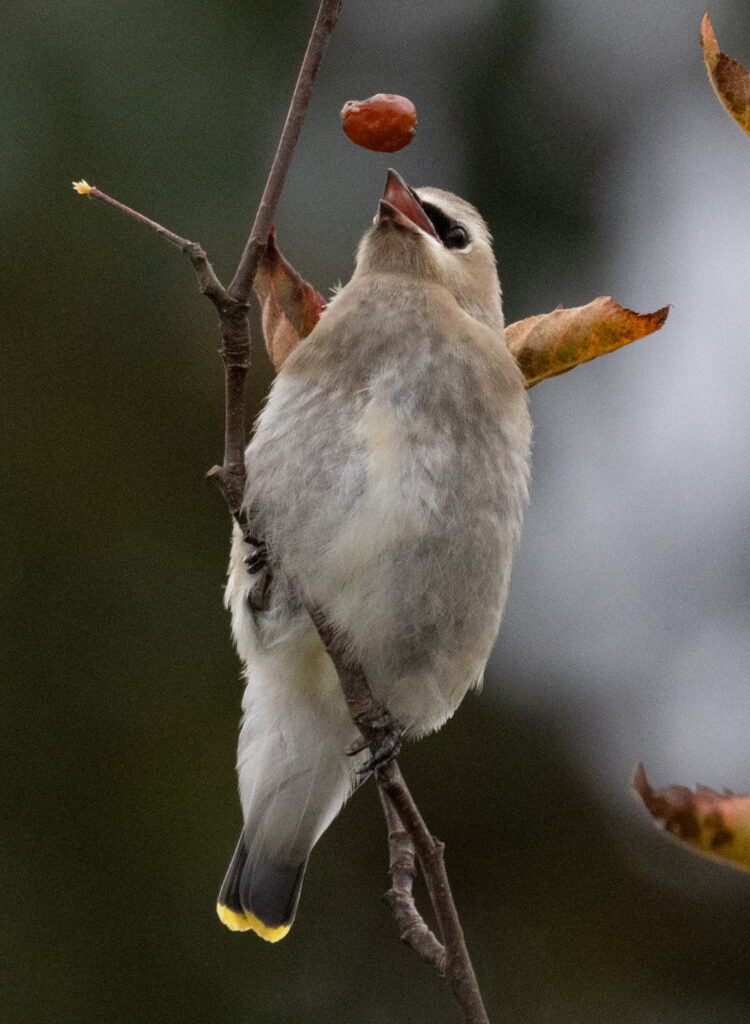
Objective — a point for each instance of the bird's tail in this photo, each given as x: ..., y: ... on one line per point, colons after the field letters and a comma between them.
x: 259, y: 895
x: 287, y: 807
x: 294, y: 776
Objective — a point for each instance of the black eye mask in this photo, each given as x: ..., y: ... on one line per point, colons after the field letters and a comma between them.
x: 452, y: 234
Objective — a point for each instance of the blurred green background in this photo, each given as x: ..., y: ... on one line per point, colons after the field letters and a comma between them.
x: 590, y: 140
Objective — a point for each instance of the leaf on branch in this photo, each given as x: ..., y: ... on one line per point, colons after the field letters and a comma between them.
x: 710, y: 823
x: 730, y: 80
x: 290, y: 306
x: 553, y: 343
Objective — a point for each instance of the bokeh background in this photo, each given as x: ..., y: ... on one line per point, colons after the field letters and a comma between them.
x: 587, y: 134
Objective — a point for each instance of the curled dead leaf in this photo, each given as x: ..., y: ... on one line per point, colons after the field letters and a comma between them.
x: 710, y: 823
x: 730, y: 80
x: 290, y: 306
x: 553, y: 343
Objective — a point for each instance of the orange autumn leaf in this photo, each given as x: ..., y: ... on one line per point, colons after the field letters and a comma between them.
x: 715, y: 825
x: 290, y: 306
x: 553, y: 343
x: 730, y: 80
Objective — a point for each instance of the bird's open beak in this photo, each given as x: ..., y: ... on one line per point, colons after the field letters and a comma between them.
x: 401, y: 206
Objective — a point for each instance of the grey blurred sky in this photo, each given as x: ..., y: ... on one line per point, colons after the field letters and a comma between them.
x: 636, y: 559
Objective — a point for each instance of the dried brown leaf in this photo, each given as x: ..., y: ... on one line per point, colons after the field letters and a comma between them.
x: 290, y: 306
x: 553, y: 343
x: 730, y: 80
x: 710, y: 823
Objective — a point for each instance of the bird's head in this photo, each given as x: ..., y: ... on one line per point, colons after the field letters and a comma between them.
x: 432, y: 235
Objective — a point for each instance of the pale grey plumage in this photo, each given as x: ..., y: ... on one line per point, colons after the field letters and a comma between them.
x: 388, y: 476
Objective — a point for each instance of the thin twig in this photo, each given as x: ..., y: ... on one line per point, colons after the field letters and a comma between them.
x: 242, y: 282
x: 459, y: 968
x: 208, y: 282
x: 413, y: 929
x: 235, y: 324
x: 92, y: 192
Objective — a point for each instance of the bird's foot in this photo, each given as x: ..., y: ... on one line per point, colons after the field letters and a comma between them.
x: 256, y: 563
x: 384, y: 747
x: 257, y: 559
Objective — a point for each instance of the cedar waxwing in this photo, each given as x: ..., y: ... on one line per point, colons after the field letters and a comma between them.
x: 386, y: 483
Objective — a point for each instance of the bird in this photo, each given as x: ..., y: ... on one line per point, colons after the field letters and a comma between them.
x: 387, y: 478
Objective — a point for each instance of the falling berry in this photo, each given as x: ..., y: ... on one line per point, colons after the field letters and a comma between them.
x: 384, y: 123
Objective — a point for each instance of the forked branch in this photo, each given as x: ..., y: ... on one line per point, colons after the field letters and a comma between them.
x: 412, y: 929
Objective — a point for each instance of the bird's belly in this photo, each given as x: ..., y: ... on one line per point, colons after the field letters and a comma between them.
x: 398, y: 520
x: 419, y: 571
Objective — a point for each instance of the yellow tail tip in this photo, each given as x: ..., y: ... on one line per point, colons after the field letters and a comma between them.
x: 247, y: 922
x: 82, y: 187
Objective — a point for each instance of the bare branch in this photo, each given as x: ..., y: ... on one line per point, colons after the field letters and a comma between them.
x: 430, y: 854
x: 412, y: 928
x: 325, y: 22
x: 92, y: 192
x: 235, y: 324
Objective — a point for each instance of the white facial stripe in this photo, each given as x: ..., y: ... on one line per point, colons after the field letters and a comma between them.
x: 431, y: 239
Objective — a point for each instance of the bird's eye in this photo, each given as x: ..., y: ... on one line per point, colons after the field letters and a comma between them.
x: 456, y: 238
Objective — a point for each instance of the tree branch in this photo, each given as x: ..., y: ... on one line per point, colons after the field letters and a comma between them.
x: 429, y: 851
x: 234, y: 316
x: 412, y: 928
x: 325, y: 22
